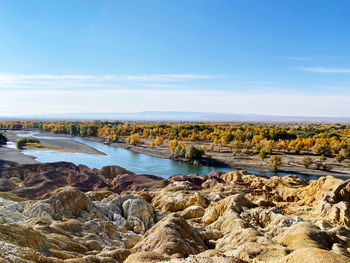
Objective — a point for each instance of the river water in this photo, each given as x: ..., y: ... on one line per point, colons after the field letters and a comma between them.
x: 135, y: 162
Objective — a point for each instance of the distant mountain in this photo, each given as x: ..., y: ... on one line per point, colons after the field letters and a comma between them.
x: 183, y: 116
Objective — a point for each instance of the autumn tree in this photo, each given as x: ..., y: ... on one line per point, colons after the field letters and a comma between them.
x: 322, y: 148
x: 134, y: 139
x: 159, y: 140
x: 262, y: 154
x: 307, y: 161
x: 275, y: 162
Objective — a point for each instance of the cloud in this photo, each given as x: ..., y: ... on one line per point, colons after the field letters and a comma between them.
x: 52, y: 81
x: 170, y: 77
x: 154, y: 77
x: 326, y: 70
x: 19, y: 77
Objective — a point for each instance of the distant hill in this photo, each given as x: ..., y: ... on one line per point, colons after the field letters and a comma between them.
x: 184, y: 116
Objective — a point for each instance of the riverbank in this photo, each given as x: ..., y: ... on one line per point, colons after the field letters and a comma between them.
x: 224, y: 158
x: 60, y: 145
x: 14, y: 155
x: 291, y: 163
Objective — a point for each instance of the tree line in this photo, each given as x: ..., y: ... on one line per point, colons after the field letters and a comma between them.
x: 329, y: 140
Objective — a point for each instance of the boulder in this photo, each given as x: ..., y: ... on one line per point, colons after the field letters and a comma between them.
x: 6, y: 185
x: 193, y: 211
x: 112, y: 171
x: 172, y: 236
x: 137, y: 182
x: 68, y: 203
x: 235, y: 202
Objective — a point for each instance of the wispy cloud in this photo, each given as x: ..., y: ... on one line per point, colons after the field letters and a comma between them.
x: 155, y: 77
x: 170, y: 77
x: 19, y: 77
x: 57, y: 81
x: 326, y: 70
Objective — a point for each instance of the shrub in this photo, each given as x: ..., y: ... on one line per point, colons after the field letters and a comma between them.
x: 275, y: 162
x: 245, y: 151
x: 326, y: 167
x: 341, y: 156
x: 188, y: 151
x: 134, y: 139
x: 3, y: 139
x: 322, y: 149
x: 158, y: 140
x: 21, y: 143
x: 193, y: 152
x: 262, y: 154
x: 307, y: 161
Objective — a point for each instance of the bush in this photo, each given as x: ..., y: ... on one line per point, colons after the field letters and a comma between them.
x: 322, y: 149
x: 275, y: 162
x: 158, y: 141
x: 188, y: 151
x: 262, y: 154
x: 3, y: 139
x: 341, y: 156
x: 193, y: 152
x: 21, y: 143
x: 134, y: 139
x: 245, y: 151
x: 326, y: 167
x: 307, y: 161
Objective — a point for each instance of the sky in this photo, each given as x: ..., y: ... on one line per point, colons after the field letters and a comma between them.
x: 274, y: 57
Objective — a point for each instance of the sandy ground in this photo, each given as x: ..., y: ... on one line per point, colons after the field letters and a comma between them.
x: 69, y: 146
x: 14, y: 155
x: 59, y: 145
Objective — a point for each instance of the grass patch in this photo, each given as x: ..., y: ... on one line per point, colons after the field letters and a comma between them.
x: 42, y: 146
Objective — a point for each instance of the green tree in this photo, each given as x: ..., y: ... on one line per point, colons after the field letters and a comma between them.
x: 193, y: 152
x: 3, y: 139
x: 21, y: 143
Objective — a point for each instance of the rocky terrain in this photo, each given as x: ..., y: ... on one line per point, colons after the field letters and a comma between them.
x: 61, y: 212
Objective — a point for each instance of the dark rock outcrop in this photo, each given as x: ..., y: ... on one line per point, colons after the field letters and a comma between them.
x: 137, y: 182
x: 39, y: 180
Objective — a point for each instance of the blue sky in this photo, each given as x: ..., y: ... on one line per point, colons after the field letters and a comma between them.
x: 289, y: 57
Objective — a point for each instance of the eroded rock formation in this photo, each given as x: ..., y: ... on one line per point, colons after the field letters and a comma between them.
x: 65, y: 213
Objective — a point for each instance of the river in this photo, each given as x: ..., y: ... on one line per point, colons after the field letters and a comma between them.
x: 135, y: 162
